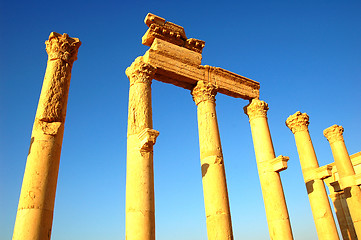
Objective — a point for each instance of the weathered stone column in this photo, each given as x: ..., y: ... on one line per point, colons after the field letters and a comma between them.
x: 321, y: 210
x: 140, y: 222
x: 352, y: 192
x: 36, y: 204
x: 268, y: 170
x: 219, y: 225
x: 343, y: 215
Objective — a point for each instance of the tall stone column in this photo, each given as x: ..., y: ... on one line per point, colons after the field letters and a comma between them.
x: 268, y: 170
x: 352, y: 191
x: 321, y: 210
x: 219, y: 225
x: 36, y: 204
x: 140, y: 219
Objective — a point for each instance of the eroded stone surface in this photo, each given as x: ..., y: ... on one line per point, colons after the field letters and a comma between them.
x: 36, y: 204
x: 178, y: 61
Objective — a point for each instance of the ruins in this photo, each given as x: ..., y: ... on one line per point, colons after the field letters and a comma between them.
x: 173, y: 58
x: 36, y: 204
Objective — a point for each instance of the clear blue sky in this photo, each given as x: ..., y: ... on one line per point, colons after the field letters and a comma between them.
x: 305, y: 54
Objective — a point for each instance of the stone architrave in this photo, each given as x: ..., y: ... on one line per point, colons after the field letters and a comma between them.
x: 36, y: 204
x: 321, y: 210
x: 178, y: 61
x: 219, y: 225
x: 351, y: 191
x: 140, y: 218
x: 268, y: 170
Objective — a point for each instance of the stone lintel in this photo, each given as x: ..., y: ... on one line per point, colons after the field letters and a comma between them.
x: 181, y: 67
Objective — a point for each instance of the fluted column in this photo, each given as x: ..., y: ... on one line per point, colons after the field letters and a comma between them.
x: 268, y: 170
x: 352, y: 192
x: 140, y: 219
x: 36, y: 204
x: 215, y: 193
x: 321, y: 210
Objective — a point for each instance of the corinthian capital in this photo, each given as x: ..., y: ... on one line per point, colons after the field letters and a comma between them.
x: 62, y: 47
x: 333, y: 133
x: 140, y: 71
x: 255, y: 109
x: 204, y: 91
x: 298, y: 122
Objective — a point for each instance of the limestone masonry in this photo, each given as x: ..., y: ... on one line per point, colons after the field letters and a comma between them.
x: 173, y: 58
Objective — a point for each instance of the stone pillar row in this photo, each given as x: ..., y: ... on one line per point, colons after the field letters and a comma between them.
x: 351, y: 191
x: 314, y: 175
x: 36, y: 204
x: 322, y: 213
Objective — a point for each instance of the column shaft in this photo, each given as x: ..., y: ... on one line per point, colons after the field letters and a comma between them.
x: 140, y: 219
x: 321, y: 209
x: 352, y: 192
x: 219, y: 225
x: 36, y: 204
x: 273, y: 196
x: 343, y: 215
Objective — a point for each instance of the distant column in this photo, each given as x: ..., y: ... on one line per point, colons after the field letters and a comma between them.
x: 140, y: 219
x: 268, y: 170
x: 219, y: 225
x: 36, y: 204
x: 343, y: 215
x: 321, y: 210
x: 352, y: 192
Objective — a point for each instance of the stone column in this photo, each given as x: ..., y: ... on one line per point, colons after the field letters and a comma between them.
x: 343, y: 215
x: 321, y: 210
x: 36, y: 204
x: 140, y: 219
x: 352, y: 192
x: 219, y: 225
x: 268, y: 170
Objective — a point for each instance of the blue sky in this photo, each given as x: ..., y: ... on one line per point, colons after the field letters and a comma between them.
x: 305, y: 54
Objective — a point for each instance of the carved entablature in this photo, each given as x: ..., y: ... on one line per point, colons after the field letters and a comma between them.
x: 140, y: 71
x: 170, y: 32
x: 256, y: 109
x: 204, y: 91
x: 62, y: 47
x: 298, y: 122
x: 333, y: 133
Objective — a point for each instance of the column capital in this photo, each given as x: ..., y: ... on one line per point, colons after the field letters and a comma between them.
x: 140, y: 72
x: 62, y: 47
x: 256, y: 108
x: 204, y: 91
x: 333, y: 133
x: 298, y: 122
